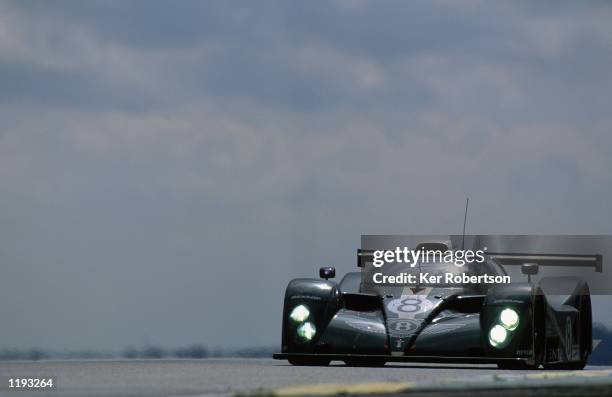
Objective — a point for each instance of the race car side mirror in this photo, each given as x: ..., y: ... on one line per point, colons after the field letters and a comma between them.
x: 530, y: 269
x: 327, y: 272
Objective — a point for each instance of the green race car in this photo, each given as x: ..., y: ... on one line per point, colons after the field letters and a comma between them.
x: 517, y: 325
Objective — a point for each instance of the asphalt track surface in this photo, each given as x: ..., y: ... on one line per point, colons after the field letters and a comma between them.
x: 216, y: 377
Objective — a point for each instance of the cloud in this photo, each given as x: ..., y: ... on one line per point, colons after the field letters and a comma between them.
x: 156, y: 160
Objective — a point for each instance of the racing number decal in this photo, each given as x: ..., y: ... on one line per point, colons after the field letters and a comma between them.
x: 409, y: 305
x: 402, y: 327
x: 403, y: 311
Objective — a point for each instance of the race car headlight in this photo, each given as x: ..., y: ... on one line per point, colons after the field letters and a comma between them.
x: 509, y: 319
x: 299, y: 313
x: 306, y: 331
x: 498, y: 336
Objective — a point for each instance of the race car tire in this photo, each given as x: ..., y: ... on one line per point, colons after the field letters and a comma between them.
x: 365, y: 362
x: 573, y: 366
x: 311, y: 362
x: 515, y: 365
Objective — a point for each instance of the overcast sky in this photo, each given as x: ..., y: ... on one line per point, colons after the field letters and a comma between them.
x: 166, y: 167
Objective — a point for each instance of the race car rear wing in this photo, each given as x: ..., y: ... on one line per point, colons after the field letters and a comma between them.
x: 511, y: 258
x: 364, y: 256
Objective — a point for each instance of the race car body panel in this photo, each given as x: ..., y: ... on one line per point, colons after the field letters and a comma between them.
x: 355, y: 332
x: 383, y: 326
x: 455, y: 335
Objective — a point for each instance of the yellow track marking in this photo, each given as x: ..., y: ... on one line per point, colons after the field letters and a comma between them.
x: 335, y: 389
x: 540, y: 379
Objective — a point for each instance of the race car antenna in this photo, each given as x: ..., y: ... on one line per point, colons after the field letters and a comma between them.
x: 467, y: 201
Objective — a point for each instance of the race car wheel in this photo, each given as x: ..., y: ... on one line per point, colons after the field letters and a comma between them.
x: 515, y: 365
x: 361, y: 362
x: 313, y: 362
x: 574, y: 366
